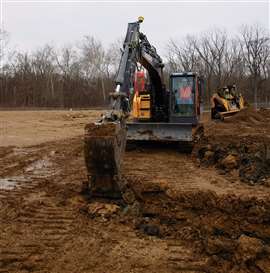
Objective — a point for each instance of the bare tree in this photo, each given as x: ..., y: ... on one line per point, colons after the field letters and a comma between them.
x: 212, y: 47
x: 22, y: 64
x: 94, y: 61
x: 3, y: 46
x: 234, y: 66
x: 82, y: 75
x: 67, y: 60
x: 43, y: 61
x: 183, y: 56
x: 113, y: 55
x: 70, y: 71
x: 254, y: 42
x: 216, y: 56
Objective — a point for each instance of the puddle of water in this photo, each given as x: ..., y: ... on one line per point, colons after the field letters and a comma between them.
x: 41, y: 168
x: 10, y: 182
x: 39, y: 165
x: 7, y: 184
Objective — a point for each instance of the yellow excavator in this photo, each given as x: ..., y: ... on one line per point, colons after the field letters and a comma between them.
x: 142, y: 109
x: 226, y: 102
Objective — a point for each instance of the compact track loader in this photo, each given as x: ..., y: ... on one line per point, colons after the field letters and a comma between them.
x: 226, y: 102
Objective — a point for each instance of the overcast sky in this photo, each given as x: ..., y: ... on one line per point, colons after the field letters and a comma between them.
x: 31, y: 24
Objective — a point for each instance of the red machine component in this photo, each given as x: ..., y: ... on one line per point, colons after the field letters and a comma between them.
x: 139, y: 82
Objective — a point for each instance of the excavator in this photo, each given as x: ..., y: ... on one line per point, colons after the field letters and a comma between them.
x: 226, y: 102
x: 142, y: 109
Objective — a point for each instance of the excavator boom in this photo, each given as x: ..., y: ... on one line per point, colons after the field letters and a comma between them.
x: 105, y: 140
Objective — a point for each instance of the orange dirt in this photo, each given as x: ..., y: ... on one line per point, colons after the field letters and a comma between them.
x: 185, y: 218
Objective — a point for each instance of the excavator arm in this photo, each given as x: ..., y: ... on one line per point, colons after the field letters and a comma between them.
x: 105, y: 140
x: 137, y: 49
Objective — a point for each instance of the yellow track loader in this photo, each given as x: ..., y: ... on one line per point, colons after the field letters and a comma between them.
x: 226, y: 102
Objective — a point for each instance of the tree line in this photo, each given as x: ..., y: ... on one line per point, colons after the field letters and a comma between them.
x: 82, y: 74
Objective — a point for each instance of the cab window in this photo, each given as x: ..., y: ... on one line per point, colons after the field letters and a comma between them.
x: 183, y: 96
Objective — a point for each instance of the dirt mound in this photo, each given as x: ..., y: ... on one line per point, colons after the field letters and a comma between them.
x: 247, y: 115
x: 250, y: 162
x: 241, y: 143
x: 227, y: 233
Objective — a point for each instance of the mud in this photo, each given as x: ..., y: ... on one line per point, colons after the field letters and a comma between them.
x: 240, y: 144
x: 9, y: 183
x: 182, y: 217
x: 214, y: 226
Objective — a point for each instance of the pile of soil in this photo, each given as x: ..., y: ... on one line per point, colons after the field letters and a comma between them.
x: 227, y: 233
x: 249, y: 115
x: 240, y: 143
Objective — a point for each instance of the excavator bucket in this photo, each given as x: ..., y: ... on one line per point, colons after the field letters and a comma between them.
x: 104, y: 146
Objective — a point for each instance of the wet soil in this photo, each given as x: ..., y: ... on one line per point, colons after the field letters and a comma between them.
x: 186, y: 216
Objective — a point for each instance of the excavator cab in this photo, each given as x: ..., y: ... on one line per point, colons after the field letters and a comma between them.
x: 182, y: 115
x: 185, y: 97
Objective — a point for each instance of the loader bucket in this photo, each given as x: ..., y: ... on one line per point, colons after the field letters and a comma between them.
x: 104, y: 147
x: 229, y: 113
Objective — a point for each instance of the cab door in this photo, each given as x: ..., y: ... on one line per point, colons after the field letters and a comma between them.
x: 182, y: 98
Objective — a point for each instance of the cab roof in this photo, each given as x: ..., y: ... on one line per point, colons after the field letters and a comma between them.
x: 184, y: 74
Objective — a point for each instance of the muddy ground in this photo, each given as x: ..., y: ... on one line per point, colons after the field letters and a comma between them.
x: 195, y: 213
x: 240, y: 145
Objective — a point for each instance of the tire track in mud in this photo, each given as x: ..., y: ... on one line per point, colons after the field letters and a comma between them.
x: 51, y: 234
x: 182, y: 259
x: 39, y: 225
x: 51, y: 229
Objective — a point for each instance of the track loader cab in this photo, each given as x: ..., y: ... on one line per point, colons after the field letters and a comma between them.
x: 185, y: 98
